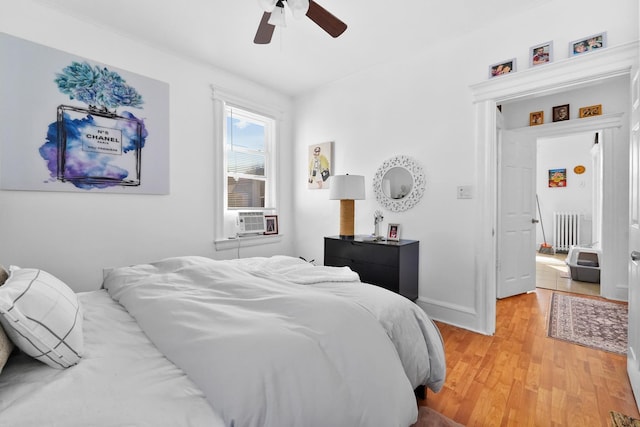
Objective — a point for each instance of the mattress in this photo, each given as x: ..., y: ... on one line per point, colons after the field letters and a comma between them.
x: 121, y: 380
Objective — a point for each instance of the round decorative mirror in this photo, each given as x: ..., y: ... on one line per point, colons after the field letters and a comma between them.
x: 399, y: 183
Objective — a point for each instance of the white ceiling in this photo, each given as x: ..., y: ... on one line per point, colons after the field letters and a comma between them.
x: 300, y: 56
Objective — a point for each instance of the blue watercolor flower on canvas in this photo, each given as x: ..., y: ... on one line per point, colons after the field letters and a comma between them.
x: 95, y: 147
x: 97, y: 86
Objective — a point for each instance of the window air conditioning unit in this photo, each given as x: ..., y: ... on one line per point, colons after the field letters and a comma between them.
x: 251, y: 223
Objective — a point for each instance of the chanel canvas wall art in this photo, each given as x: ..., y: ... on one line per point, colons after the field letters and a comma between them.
x: 74, y: 124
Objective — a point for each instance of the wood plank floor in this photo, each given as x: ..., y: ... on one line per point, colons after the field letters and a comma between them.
x: 521, y: 377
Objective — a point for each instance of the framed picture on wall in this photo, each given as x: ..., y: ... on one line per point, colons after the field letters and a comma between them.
x: 536, y: 118
x: 560, y: 113
x: 557, y: 178
x: 588, y: 44
x: 319, y: 164
x: 95, y: 128
x: 541, y: 54
x: 501, y: 68
x: 592, y: 110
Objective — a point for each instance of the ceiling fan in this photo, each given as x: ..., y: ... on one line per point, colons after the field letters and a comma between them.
x: 273, y: 17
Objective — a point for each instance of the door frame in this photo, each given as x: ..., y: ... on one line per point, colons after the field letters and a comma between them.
x: 608, y: 126
x: 552, y: 78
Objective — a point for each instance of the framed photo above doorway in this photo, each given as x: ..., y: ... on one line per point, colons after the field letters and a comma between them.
x: 560, y: 113
x: 541, y: 54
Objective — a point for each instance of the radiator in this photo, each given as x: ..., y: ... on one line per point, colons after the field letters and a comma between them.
x: 566, y: 230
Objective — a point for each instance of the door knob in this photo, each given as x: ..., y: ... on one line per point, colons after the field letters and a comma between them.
x: 534, y: 221
x: 635, y: 256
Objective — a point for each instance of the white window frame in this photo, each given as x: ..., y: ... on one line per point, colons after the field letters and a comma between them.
x: 225, y: 228
x: 270, y: 145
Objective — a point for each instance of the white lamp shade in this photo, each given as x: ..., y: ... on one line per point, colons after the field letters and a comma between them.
x: 346, y: 187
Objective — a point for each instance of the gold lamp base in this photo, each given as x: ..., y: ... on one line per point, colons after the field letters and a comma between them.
x: 347, y: 213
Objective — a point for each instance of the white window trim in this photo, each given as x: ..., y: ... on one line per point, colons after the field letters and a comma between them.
x: 221, y: 99
x: 269, y: 169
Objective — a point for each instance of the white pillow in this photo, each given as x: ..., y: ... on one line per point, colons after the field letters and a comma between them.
x: 42, y: 316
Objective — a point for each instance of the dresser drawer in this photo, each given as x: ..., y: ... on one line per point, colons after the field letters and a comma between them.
x: 364, y: 252
x: 376, y: 274
x: 390, y: 265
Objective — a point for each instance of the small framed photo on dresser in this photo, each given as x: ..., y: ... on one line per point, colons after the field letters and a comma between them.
x: 393, y: 232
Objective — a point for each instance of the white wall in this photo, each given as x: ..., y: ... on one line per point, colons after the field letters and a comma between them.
x: 75, y: 235
x: 565, y: 153
x: 422, y: 107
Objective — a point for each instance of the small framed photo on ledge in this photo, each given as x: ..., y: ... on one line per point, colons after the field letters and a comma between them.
x: 501, y: 68
x: 541, y: 54
x: 393, y: 232
x: 560, y: 113
x: 588, y: 44
x: 590, y: 111
x: 271, y: 226
x: 536, y: 118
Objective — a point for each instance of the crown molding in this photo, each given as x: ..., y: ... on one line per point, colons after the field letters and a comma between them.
x: 577, y: 70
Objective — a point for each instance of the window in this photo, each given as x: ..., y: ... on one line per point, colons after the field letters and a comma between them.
x: 248, y: 145
x: 244, y: 165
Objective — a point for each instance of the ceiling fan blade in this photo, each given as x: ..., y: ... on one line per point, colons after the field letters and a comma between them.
x: 265, y: 30
x: 325, y: 19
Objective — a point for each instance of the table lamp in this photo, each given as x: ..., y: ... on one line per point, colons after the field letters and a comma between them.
x: 346, y: 188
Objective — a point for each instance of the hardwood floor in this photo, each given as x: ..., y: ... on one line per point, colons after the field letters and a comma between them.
x: 552, y: 272
x: 521, y: 377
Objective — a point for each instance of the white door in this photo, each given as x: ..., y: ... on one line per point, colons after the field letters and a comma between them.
x: 633, y: 355
x: 516, y: 269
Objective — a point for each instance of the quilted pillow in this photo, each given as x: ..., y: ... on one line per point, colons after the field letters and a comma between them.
x: 42, y: 316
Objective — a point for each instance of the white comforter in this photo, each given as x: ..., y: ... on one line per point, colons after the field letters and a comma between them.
x: 415, y: 336
x: 121, y: 380
x: 263, y: 348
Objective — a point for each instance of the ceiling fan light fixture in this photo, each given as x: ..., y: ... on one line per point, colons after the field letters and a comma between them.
x: 277, y: 17
x: 298, y: 8
x: 267, y: 5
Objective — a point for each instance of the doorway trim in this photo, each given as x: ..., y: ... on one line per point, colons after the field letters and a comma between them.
x: 552, y: 78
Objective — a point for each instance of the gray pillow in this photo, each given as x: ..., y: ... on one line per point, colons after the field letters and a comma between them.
x: 6, y: 347
x: 4, y: 274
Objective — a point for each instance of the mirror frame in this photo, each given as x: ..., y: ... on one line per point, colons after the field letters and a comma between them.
x: 417, y: 189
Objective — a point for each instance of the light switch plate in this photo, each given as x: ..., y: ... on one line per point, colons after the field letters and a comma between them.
x: 465, y: 192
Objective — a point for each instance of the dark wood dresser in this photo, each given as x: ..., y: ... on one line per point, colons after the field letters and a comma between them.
x: 391, y: 265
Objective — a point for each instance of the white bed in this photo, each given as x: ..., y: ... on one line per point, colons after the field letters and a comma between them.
x: 279, y: 342
x: 190, y: 341
x: 121, y: 380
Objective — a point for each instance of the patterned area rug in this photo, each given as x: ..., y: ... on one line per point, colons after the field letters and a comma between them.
x: 621, y: 420
x: 428, y: 417
x: 589, y: 322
